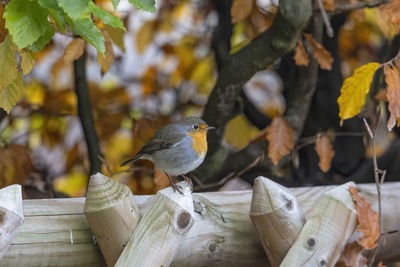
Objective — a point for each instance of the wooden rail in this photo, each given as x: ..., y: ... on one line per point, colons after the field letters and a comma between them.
x: 55, y: 231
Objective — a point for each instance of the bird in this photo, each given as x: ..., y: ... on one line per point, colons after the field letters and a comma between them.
x: 176, y: 148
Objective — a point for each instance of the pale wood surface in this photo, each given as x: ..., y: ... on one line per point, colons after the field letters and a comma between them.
x: 112, y: 214
x: 11, y: 216
x: 323, y: 237
x: 277, y: 218
x: 161, y: 230
x: 221, y: 236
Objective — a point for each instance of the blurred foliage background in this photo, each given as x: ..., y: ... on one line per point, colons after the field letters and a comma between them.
x: 162, y: 69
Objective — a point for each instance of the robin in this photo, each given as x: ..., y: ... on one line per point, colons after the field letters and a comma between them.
x: 176, y: 148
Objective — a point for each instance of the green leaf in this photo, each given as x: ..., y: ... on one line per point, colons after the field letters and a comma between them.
x: 10, y: 95
x: 43, y: 40
x: 105, y: 16
x: 146, y: 5
x: 55, y: 12
x: 8, y: 66
x: 26, y: 21
x: 76, y: 9
x: 88, y: 31
x: 115, y: 3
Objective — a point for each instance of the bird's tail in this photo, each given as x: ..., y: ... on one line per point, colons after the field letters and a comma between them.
x: 136, y: 157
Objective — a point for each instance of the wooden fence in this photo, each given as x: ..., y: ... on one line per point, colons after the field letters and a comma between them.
x: 300, y: 225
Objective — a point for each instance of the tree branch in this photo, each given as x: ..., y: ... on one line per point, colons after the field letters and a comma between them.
x: 279, y: 39
x: 85, y: 114
x: 359, y: 5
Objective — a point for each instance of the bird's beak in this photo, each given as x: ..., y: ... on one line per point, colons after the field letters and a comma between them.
x: 210, y: 128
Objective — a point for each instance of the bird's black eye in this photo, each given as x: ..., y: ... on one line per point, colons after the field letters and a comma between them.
x: 195, y: 126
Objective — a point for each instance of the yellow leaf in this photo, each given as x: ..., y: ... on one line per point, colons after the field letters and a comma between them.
x: 117, y: 36
x: 10, y: 94
x: 354, y: 90
x: 145, y: 35
x: 325, y: 152
x: 323, y: 57
x: 203, y: 76
x: 34, y: 93
x: 108, y: 58
x: 300, y: 56
x: 241, y: 9
x: 73, y: 184
x: 280, y: 139
x: 8, y: 66
x: 27, y: 61
x: 393, y: 94
x: 239, y: 132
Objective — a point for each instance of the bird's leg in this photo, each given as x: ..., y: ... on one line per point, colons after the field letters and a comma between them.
x: 173, y: 185
x: 188, y: 181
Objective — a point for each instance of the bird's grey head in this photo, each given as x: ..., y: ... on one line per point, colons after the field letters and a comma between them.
x: 195, y: 124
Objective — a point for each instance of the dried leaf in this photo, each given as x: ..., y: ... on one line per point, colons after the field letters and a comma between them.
x: 393, y: 11
x: 352, y: 257
x: 323, y: 57
x: 108, y: 58
x: 145, y: 35
x: 354, y: 90
x: 329, y: 5
x: 241, y: 9
x: 380, y: 264
x: 368, y: 220
x: 393, y: 94
x: 280, y: 138
x: 74, y: 50
x: 301, y: 56
x: 3, y: 30
x: 381, y: 95
x: 325, y: 152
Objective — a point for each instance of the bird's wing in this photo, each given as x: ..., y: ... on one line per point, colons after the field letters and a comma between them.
x: 168, y: 137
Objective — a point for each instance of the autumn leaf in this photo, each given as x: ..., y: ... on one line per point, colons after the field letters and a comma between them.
x: 393, y: 94
x: 368, y: 220
x: 323, y: 57
x: 351, y: 256
x: 329, y: 5
x: 380, y: 264
x: 325, y: 152
x: 354, y: 90
x: 3, y: 30
x: 280, y: 138
x: 301, y: 56
x: 145, y: 35
x: 393, y: 11
x: 108, y: 58
x: 241, y: 9
x: 27, y: 61
x: 74, y: 50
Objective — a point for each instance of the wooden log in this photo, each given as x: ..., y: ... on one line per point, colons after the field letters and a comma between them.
x: 277, y: 218
x: 324, y: 235
x: 223, y: 233
x: 159, y: 233
x: 11, y: 216
x: 112, y: 214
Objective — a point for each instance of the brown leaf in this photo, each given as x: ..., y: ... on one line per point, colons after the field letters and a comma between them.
x: 301, y: 56
x: 329, y: 5
x: 352, y: 256
x: 380, y: 264
x: 393, y: 94
x: 280, y: 138
x: 381, y: 95
x: 241, y: 9
x: 145, y: 35
x: 15, y: 164
x: 74, y: 50
x: 325, y: 152
x: 3, y: 30
x: 368, y: 220
x: 393, y: 11
x: 108, y: 58
x: 323, y: 57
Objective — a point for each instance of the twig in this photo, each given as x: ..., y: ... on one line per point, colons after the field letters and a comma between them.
x: 325, y: 18
x: 378, y: 182
x: 312, y: 139
x: 359, y: 5
x: 228, y: 177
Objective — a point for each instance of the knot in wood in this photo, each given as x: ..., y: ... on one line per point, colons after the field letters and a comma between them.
x: 183, y: 219
x: 2, y: 217
x: 322, y: 262
x: 311, y: 243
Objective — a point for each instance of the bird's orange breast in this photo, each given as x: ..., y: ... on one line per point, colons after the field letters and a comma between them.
x: 199, y: 142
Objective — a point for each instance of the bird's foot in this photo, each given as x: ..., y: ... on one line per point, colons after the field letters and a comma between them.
x: 177, y: 188
x: 188, y: 181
